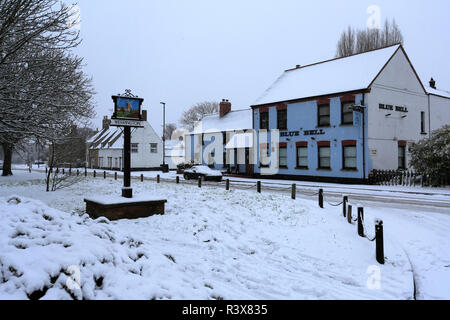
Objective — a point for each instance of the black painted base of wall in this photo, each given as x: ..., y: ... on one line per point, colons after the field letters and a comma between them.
x: 132, y: 169
x: 313, y: 179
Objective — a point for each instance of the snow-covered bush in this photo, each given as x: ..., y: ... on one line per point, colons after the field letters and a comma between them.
x: 432, y: 156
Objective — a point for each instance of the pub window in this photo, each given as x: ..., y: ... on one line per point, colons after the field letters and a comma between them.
x: 347, y: 112
x: 349, y: 153
x: 110, y: 162
x: 302, y: 157
x: 401, y: 157
x: 422, y: 122
x: 264, y: 121
x: 283, y: 157
x: 153, y: 148
x: 324, y: 158
x: 134, y: 148
x: 324, y: 115
x: 100, y: 162
x: 282, y: 119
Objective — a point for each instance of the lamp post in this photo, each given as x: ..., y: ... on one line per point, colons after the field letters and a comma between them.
x: 163, y: 135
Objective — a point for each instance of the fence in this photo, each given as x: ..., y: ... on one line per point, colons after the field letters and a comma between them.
x: 407, y: 178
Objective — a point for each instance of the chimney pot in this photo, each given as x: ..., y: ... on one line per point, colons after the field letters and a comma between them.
x: 297, y: 66
x: 224, y: 107
x: 432, y: 83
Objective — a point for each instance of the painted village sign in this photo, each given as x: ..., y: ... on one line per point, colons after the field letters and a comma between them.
x: 127, y: 110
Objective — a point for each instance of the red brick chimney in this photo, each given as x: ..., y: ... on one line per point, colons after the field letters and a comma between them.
x: 225, y: 107
x: 144, y: 115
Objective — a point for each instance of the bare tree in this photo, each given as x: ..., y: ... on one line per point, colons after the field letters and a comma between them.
x: 43, y: 98
x: 347, y: 43
x: 363, y: 40
x: 197, y: 112
x: 37, y: 23
x: 62, y: 155
x: 41, y: 84
x: 169, y: 130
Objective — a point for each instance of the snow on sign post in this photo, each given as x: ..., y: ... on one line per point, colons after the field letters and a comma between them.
x: 127, y: 114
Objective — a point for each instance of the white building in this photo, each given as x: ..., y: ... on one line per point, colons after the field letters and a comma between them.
x: 234, y: 128
x: 174, y: 153
x: 105, y: 148
x: 334, y: 141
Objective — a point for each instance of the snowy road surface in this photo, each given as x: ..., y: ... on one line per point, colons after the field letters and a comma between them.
x: 213, y: 244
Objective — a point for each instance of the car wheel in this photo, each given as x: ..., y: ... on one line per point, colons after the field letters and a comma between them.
x: 186, y: 177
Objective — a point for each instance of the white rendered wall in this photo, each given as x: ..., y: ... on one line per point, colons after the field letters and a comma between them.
x: 396, y: 85
x: 440, y: 112
x: 144, y: 158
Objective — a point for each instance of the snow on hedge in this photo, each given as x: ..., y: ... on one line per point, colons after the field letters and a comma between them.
x: 211, y: 244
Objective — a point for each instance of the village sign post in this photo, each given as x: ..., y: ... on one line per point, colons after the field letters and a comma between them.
x: 127, y: 114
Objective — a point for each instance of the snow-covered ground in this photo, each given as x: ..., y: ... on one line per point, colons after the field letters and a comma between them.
x: 211, y: 244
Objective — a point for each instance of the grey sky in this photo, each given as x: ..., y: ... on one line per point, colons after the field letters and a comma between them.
x: 184, y: 52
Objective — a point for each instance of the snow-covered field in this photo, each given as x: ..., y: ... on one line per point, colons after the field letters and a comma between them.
x: 210, y: 244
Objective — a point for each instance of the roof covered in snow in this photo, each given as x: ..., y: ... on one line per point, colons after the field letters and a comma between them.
x: 107, y: 139
x: 438, y: 92
x: 346, y: 74
x: 232, y: 121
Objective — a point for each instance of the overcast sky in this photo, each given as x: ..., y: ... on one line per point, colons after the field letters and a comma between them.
x: 184, y: 52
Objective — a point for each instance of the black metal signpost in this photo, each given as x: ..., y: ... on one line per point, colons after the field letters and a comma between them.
x: 127, y: 114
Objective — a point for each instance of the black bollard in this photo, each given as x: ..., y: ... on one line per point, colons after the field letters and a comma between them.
x: 63, y: 171
x: 142, y: 178
x: 95, y: 173
x: 349, y: 214
x: 294, y: 191
x: 104, y: 174
x: 158, y: 178
x: 199, y: 182
x: 321, y: 198
x: 258, y: 186
x: 115, y: 175
x: 85, y: 171
x: 178, y: 179
x: 360, y: 222
x: 78, y: 172
x: 344, y: 208
x: 46, y: 171
x: 227, y: 185
x: 379, y: 241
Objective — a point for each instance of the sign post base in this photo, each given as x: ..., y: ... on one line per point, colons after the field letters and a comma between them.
x: 127, y: 193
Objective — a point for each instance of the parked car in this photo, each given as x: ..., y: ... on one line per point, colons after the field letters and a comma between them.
x: 205, y: 172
